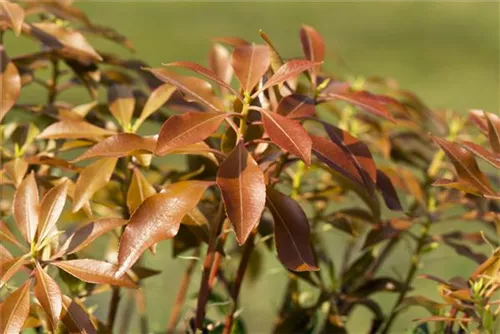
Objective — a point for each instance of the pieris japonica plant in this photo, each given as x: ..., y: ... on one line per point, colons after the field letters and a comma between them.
x: 278, y: 152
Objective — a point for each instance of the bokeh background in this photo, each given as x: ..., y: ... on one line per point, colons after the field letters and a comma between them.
x: 447, y: 52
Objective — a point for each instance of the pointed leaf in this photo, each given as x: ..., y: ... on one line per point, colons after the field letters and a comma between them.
x: 289, y: 70
x: 14, y: 14
x: 313, y: 45
x: 91, y: 179
x: 75, y: 318
x: 388, y: 191
x: 16, y: 169
x: 276, y: 60
x: 138, y: 191
x: 250, y: 63
x: 243, y: 189
x: 69, y: 129
x: 493, y: 122
x: 156, y: 99
x: 157, y: 218
x: 186, y: 129
x: 94, y: 271
x: 219, y: 59
x: 491, y: 158
x: 26, y: 207
x: 292, y: 232
x: 51, y: 208
x: 15, y: 309
x: 287, y: 134
x: 193, y: 87
x: 10, y: 83
x: 121, y: 103
x: 120, y: 145
x: 296, y: 106
x: 49, y: 295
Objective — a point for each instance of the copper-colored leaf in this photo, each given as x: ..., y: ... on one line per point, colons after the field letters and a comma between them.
x: 13, y: 14
x: 480, y: 151
x: 243, y: 189
x: 121, y: 103
x: 75, y: 318
x: 289, y: 70
x: 367, y: 101
x: 465, y: 165
x: 194, y: 88
x: 288, y: 134
x: 157, y: 218
x: 15, y: 309
x: 250, y: 63
x: 292, y: 232
x: 186, y: 129
x: 493, y: 122
x: 10, y: 83
x: 26, y: 207
x: 49, y: 295
x: 296, y: 106
x: 388, y: 191
x: 156, y: 99
x: 9, y: 267
x: 219, y: 59
x: 94, y: 271
x: 138, y: 191
x: 69, y: 129
x: 16, y: 169
x: 120, y: 145
x: 91, y: 179
x: 51, y: 208
x: 313, y: 45
x: 86, y: 234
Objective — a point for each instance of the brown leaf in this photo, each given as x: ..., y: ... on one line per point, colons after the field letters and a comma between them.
x: 51, y: 208
x: 119, y: 145
x: 49, y: 295
x: 156, y: 99
x: 10, y: 83
x: 91, y: 179
x: 313, y: 45
x: 388, y: 191
x: 75, y: 318
x: 296, y: 106
x: 94, y: 271
x: 69, y: 129
x: 493, y: 122
x: 287, y: 134
x: 243, y: 189
x: 138, y: 191
x: 13, y: 14
x: 292, y: 232
x: 157, y: 218
x: 26, y: 207
x: 16, y: 169
x: 289, y: 70
x: 219, y: 59
x: 250, y: 63
x: 492, y: 158
x: 86, y: 234
x: 186, y: 129
x: 121, y: 103
x: 15, y: 309
x: 195, y: 88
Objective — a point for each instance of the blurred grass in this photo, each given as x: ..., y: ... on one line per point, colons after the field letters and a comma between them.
x: 448, y: 53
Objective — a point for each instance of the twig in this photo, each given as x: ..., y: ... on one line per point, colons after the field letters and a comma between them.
x: 113, y: 307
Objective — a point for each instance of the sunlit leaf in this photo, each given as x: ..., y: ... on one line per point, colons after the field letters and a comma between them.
x: 243, y: 190
x: 49, y: 295
x: 250, y: 63
x: 138, y: 191
x: 26, y: 207
x: 10, y: 83
x: 6, y: 235
x: 75, y: 318
x: 9, y: 267
x: 15, y: 309
x: 231, y: 40
x: 68, y: 129
x: 493, y: 122
x: 276, y: 59
x: 51, y: 208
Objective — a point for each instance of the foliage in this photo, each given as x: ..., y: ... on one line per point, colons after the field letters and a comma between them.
x: 283, y: 151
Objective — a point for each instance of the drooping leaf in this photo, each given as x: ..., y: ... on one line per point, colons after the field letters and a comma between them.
x: 186, y: 129
x: 289, y: 70
x: 13, y: 14
x: 16, y: 169
x: 287, y: 134
x: 388, y: 191
x: 478, y: 150
x: 121, y: 103
x: 49, y: 295
x: 26, y: 207
x: 15, y: 309
x: 119, y: 145
x: 69, y: 129
x: 219, y: 59
x: 250, y: 63
x: 157, y: 218
x: 291, y: 232
x: 91, y: 179
x: 138, y: 191
x: 156, y: 99
x: 50, y: 209
x: 313, y: 46
x: 94, y: 271
x: 195, y: 88
x: 296, y: 106
x: 243, y: 190
x: 75, y: 318
x: 86, y: 234
x: 10, y: 83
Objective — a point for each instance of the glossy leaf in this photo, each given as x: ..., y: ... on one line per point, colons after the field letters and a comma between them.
x: 75, y: 318
x: 14, y: 14
x: 195, y: 88
x: 292, y: 232
x: 10, y: 83
x: 138, y: 191
x: 26, y: 207
x: 313, y: 45
x: 119, y: 145
x: 289, y: 70
x: 288, y: 134
x: 51, y: 208
x: 157, y: 218
x: 243, y: 190
x: 250, y: 63
x: 69, y: 129
x: 296, y: 106
x: 121, y: 103
x: 94, y: 271
x: 49, y: 295
x: 91, y: 179
x: 14, y: 310
x: 479, y: 151
x: 186, y: 129
x: 156, y: 99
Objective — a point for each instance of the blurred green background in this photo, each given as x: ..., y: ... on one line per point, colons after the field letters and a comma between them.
x: 447, y: 52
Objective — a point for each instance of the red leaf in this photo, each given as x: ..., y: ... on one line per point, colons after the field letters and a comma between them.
x: 289, y: 70
x: 26, y: 207
x: 250, y: 63
x: 478, y: 150
x: 15, y: 309
x: 157, y: 218
x: 296, y: 106
x: 292, y: 232
x: 219, y: 59
x: 49, y: 295
x: 243, y: 189
x: 312, y: 45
